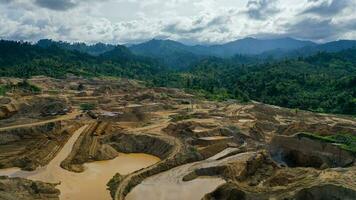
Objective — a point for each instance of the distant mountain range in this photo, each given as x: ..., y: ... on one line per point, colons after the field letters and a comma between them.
x: 329, y: 47
x: 23, y: 59
x: 95, y: 49
x: 180, y: 56
x: 247, y: 46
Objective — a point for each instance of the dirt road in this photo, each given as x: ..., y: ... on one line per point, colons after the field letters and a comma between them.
x: 69, y: 116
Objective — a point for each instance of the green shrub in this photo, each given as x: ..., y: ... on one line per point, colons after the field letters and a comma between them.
x: 346, y: 141
x: 181, y: 117
x: 87, y: 106
x: 25, y: 85
x: 54, y: 92
x: 2, y: 90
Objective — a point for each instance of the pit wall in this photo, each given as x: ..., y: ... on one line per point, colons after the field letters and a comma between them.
x: 33, y: 146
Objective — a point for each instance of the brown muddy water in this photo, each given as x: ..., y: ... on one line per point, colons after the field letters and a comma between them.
x: 169, y: 185
x: 89, y: 185
x: 157, y: 188
x: 212, y: 138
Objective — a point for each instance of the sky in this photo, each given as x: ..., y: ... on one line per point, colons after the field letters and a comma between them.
x: 187, y: 21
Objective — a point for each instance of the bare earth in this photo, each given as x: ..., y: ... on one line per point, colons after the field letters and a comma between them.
x: 161, y: 143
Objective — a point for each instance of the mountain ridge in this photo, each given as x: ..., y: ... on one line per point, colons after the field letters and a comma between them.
x: 180, y: 56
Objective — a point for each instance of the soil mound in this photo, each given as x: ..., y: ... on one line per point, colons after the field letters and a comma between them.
x: 300, y: 151
x: 17, y: 188
x: 31, y: 147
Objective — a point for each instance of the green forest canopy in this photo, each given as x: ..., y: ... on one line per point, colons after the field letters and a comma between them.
x: 325, y: 82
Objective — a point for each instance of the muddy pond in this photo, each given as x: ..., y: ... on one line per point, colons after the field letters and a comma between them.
x: 89, y: 185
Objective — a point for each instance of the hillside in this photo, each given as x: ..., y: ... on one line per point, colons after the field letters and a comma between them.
x: 26, y: 60
x: 95, y: 49
x: 180, y: 56
x: 324, y: 82
x: 252, y: 46
x: 173, y: 54
x: 333, y: 46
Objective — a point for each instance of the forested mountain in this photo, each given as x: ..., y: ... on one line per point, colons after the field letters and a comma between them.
x: 178, y: 55
x: 325, y: 82
x: 334, y: 46
x: 246, y: 46
x: 172, y: 54
x: 24, y: 60
x: 95, y: 49
x: 252, y: 46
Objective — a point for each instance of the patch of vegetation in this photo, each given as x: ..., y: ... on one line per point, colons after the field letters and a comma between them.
x: 114, y: 183
x: 80, y: 87
x: 23, y: 86
x: 54, y: 92
x: 3, y: 90
x: 346, y: 141
x: 87, y: 106
x: 219, y: 95
x: 26, y: 86
x: 181, y: 117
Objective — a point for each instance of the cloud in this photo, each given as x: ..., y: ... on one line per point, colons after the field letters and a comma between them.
x: 193, y: 21
x: 312, y: 29
x: 260, y: 9
x: 326, y: 7
x: 196, y: 25
x: 59, y: 5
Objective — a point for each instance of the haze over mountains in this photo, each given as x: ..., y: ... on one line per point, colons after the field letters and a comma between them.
x: 246, y: 46
x: 178, y: 55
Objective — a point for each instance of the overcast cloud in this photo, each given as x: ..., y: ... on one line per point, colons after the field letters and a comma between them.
x: 189, y: 21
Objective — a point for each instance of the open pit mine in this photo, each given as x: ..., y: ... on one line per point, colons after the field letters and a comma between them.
x: 103, y: 139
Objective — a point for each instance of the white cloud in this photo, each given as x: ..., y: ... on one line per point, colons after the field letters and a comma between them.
x: 193, y: 21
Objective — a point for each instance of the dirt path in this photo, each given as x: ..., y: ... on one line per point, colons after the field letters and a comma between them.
x: 69, y: 116
x: 154, y: 128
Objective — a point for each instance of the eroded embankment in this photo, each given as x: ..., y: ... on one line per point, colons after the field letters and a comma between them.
x: 184, y: 134
x: 140, y: 143
x: 172, y: 151
x: 17, y: 188
x: 303, y: 151
x: 8, y: 107
x: 183, y: 151
x: 100, y: 142
x: 323, y: 191
x: 33, y: 146
x: 89, y: 148
x: 31, y: 109
x: 186, y: 181
x: 268, y: 181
